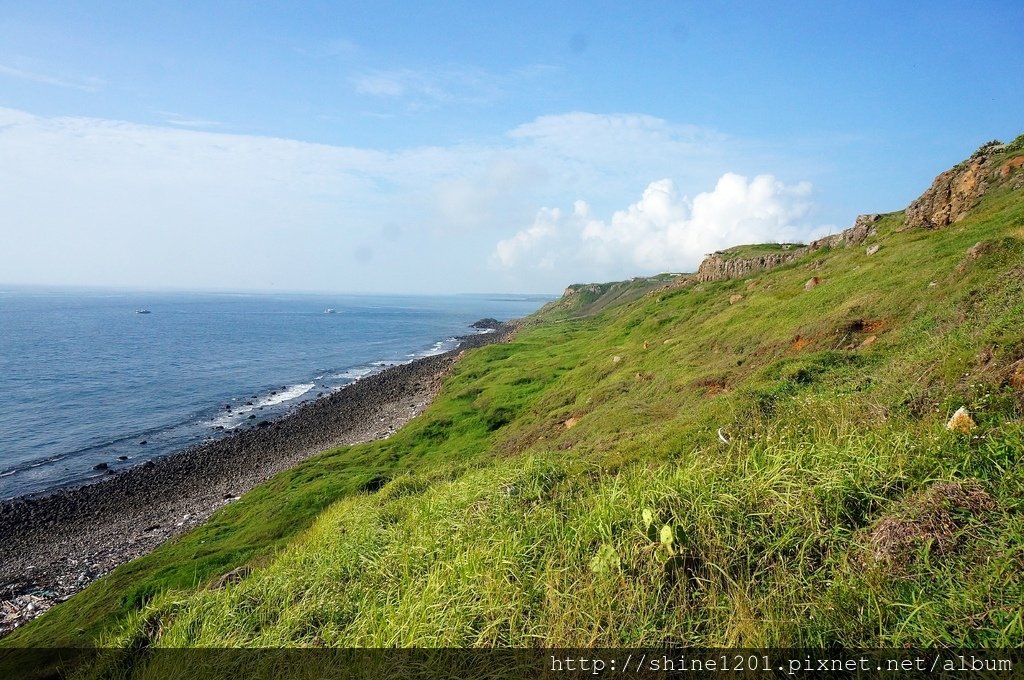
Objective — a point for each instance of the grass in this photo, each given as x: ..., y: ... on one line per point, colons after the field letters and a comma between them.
x: 527, y: 506
x: 588, y: 299
x: 756, y: 249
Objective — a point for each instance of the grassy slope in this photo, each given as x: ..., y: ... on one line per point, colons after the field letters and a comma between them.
x: 592, y: 298
x: 500, y: 525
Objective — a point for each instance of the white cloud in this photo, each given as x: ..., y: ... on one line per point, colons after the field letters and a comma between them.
x: 509, y: 251
x: 92, y: 201
x: 662, y: 231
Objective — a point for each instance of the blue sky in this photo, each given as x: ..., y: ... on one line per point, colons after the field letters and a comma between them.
x: 472, y: 147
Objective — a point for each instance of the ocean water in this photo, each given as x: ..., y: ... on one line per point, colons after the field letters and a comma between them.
x: 85, y: 379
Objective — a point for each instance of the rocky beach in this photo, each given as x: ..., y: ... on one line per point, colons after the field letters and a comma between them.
x: 56, y: 544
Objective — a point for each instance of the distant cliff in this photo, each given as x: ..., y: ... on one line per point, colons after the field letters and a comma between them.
x: 735, y: 263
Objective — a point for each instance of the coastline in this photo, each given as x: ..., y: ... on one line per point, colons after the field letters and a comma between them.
x: 57, y: 544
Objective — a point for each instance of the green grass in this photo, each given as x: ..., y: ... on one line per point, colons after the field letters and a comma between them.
x: 493, y: 523
x: 591, y: 298
x: 756, y: 249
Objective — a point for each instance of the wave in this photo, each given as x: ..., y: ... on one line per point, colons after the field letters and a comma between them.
x: 440, y: 347
x: 30, y: 465
x: 230, y: 419
x: 293, y: 392
x: 356, y: 373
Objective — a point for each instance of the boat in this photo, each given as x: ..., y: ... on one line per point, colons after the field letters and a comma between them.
x: 143, y: 311
x: 330, y: 310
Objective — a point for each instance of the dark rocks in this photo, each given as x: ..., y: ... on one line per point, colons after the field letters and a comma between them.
x: 122, y: 457
x: 148, y: 465
x: 486, y: 323
x: 252, y: 417
x: 100, y: 466
x: 143, y: 442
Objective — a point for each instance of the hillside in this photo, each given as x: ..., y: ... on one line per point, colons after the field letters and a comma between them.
x: 754, y: 461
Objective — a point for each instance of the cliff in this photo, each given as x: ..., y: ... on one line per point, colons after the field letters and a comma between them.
x: 954, y: 192
x: 731, y: 264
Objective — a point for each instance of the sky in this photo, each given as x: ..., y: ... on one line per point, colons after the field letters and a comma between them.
x: 466, y: 147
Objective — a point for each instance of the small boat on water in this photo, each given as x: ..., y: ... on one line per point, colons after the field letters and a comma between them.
x: 143, y: 311
x: 330, y: 310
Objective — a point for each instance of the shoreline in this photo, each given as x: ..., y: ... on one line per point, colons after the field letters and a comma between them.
x: 58, y: 543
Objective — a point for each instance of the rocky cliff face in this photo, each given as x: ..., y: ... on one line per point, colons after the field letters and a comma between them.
x: 720, y: 266
x: 581, y: 288
x: 954, y: 192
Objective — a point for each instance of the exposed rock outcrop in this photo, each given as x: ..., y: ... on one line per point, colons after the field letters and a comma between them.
x: 582, y: 288
x: 863, y: 227
x: 721, y: 266
x: 1011, y: 166
x: 954, y: 192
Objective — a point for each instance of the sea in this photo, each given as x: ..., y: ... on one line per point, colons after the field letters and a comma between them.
x: 117, y: 378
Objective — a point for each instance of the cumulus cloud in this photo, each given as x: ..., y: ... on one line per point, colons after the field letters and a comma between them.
x: 88, y: 201
x: 509, y: 251
x: 662, y: 231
